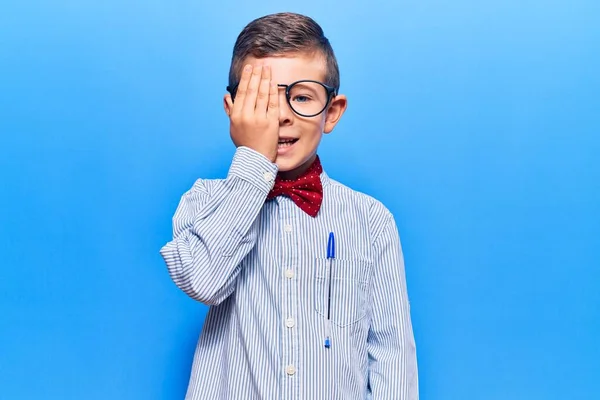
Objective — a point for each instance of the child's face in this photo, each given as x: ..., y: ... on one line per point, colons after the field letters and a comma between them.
x: 294, y: 159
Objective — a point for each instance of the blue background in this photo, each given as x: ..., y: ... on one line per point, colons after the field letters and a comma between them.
x: 475, y: 122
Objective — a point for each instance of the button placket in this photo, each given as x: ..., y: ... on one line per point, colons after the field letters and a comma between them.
x: 289, y: 307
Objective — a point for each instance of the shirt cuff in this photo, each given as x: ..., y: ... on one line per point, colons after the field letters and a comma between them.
x: 254, y: 168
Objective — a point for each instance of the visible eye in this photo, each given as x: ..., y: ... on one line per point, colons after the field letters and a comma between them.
x: 301, y: 98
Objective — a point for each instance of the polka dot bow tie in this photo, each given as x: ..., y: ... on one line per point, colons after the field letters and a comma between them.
x: 306, y: 191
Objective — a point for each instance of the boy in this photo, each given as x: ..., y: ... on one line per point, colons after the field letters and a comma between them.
x: 304, y: 276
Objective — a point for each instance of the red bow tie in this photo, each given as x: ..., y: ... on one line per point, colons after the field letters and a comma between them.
x: 306, y: 191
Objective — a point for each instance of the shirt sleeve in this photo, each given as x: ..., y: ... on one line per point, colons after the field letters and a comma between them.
x: 390, y: 342
x: 213, y: 231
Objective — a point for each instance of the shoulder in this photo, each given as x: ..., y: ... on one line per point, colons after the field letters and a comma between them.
x: 358, y: 206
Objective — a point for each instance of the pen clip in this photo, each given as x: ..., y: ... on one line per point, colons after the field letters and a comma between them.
x: 331, y: 246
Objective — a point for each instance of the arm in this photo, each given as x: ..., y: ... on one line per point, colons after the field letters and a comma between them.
x: 213, y: 233
x: 390, y: 343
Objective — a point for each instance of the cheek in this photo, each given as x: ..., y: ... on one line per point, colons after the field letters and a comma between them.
x: 313, y: 131
x: 313, y: 126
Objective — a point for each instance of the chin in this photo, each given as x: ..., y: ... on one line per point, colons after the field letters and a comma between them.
x: 287, y: 165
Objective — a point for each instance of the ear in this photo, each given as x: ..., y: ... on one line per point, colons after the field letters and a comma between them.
x: 334, y: 112
x: 227, y: 104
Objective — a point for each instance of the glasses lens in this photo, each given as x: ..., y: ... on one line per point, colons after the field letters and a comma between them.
x: 308, y: 98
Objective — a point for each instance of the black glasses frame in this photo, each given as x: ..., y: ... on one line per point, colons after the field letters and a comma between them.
x: 331, y: 93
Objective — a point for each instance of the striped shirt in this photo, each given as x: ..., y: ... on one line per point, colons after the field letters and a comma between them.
x: 261, y: 265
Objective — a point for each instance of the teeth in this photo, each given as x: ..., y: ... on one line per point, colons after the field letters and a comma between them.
x: 286, y: 142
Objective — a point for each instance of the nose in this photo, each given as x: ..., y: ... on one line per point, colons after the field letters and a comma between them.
x: 286, y: 115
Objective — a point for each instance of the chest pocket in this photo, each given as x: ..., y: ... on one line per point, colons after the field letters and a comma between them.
x: 349, y: 290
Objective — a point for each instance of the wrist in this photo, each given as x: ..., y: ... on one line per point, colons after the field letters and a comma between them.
x: 254, y: 167
x: 269, y: 153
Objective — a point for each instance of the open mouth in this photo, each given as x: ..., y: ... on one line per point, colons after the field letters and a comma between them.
x: 286, y: 142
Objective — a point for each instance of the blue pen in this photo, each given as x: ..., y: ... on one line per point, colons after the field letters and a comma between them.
x: 330, y: 257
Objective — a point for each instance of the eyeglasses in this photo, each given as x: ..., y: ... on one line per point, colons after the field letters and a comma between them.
x: 306, y: 98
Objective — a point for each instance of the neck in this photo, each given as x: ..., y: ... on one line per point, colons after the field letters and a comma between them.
x: 296, y: 172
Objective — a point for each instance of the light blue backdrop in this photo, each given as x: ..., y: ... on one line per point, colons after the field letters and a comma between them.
x: 475, y: 122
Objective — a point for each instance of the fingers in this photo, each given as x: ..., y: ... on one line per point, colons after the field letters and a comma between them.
x: 242, y: 88
x: 262, y: 98
x: 252, y: 91
x: 273, y: 110
x: 255, y: 93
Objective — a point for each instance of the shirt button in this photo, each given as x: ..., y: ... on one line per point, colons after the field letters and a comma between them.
x: 289, y: 273
x: 287, y: 228
x: 268, y: 176
x: 290, y: 370
x: 290, y: 322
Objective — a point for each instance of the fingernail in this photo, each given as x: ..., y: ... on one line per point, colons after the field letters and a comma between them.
x: 248, y: 68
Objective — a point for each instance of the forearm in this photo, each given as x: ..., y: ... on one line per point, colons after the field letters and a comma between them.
x: 211, y: 239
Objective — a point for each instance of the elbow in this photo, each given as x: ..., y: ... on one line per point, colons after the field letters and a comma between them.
x: 194, y: 275
x: 199, y: 288
x: 203, y: 294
